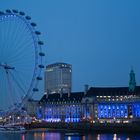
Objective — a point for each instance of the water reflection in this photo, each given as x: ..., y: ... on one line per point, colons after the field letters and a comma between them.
x: 115, y: 137
x: 67, y: 136
x: 23, y: 136
x: 98, y: 137
x: 47, y: 136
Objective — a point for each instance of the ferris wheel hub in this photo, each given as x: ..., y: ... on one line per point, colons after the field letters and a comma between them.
x: 6, y: 66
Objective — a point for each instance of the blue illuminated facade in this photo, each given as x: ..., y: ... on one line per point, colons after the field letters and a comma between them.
x: 62, y: 113
x: 92, y: 106
x: 61, y: 108
x: 112, y: 110
x: 122, y: 111
x: 97, y: 104
x: 136, y: 110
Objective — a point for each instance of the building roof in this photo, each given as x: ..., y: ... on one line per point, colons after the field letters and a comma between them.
x: 57, y: 97
x: 60, y: 64
x: 92, y: 92
x: 111, y: 91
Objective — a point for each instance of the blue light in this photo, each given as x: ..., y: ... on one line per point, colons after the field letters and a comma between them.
x: 112, y: 110
x: 136, y: 110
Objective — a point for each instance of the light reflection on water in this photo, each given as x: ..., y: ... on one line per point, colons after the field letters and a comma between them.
x: 80, y: 136
x: 67, y: 136
x: 47, y: 136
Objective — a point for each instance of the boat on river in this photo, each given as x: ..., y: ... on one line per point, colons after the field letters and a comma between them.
x: 12, y: 128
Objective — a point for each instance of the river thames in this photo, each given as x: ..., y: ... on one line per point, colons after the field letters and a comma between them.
x: 67, y: 136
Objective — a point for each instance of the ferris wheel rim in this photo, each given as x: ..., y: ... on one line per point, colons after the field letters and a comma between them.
x: 39, y: 54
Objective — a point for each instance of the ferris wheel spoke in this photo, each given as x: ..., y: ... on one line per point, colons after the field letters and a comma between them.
x: 2, y: 42
x: 4, y: 34
x: 21, y: 79
x: 22, y: 42
x: 22, y: 62
x: 17, y: 82
x: 8, y: 89
x: 11, y: 36
x: 26, y: 45
x: 2, y: 84
x: 19, y: 55
x: 10, y: 86
x: 16, y: 29
x: 18, y: 89
x: 19, y: 35
x: 7, y: 34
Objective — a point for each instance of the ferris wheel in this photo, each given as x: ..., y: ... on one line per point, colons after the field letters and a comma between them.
x: 21, y: 59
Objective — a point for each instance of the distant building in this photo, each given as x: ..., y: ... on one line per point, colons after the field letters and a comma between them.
x: 31, y: 107
x: 58, y: 78
x: 96, y: 105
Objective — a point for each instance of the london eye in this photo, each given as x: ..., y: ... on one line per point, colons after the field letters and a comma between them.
x: 21, y: 59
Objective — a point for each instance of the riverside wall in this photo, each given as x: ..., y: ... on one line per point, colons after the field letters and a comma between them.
x: 87, y: 127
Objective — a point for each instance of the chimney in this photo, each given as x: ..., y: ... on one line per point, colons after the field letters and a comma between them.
x: 86, y: 89
x: 61, y: 93
x: 46, y: 94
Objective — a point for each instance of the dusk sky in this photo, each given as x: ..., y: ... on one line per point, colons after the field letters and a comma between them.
x: 100, y: 38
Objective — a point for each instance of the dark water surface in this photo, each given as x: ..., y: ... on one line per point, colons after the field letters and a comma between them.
x: 67, y: 136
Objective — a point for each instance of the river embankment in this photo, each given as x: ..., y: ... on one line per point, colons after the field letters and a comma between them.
x: 86, y: 127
